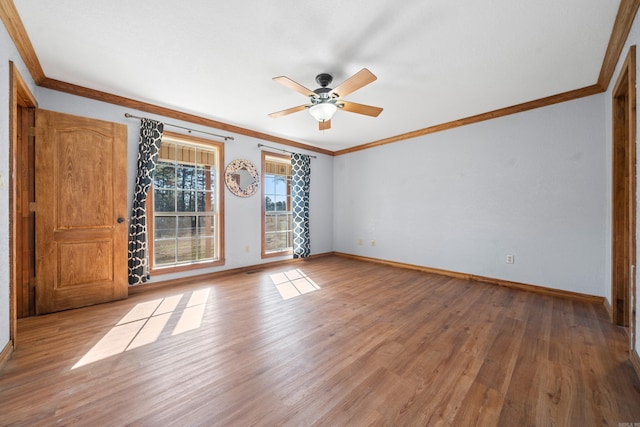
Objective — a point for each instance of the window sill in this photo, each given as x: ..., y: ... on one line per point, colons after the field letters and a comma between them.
x: 277, y: 254
x: 185, y: 267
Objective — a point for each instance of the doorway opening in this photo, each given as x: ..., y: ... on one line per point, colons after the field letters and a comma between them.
x: 623, y: 286
x: 22, y: 106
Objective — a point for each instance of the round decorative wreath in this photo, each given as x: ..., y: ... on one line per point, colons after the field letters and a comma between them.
x: 233, y: 177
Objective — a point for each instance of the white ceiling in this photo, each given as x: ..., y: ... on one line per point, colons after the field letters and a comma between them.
x: 436, y: 61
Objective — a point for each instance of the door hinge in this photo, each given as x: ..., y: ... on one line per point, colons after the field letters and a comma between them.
x: 32, y: 131
x: 32, y: 282
x: 32, y: 206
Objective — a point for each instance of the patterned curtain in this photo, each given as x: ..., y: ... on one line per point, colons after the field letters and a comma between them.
x: 148, y: 148
x: 300, y: 180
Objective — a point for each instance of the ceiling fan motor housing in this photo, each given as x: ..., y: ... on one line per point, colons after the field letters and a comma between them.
x: 324, y: 79
x: 323, y: 92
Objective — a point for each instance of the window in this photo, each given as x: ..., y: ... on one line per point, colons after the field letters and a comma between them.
x: 186, y: 205
x: 277, y: 219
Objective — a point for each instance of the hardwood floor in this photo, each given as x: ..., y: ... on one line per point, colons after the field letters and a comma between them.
x: 364, y: 344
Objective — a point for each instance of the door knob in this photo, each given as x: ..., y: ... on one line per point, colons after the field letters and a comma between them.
x: 120, y: 220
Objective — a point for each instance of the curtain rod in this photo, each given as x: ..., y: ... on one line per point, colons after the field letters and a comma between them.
x: 131, y: 116
x: 283, y: 150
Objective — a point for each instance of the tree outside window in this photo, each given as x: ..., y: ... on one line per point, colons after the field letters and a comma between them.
x: 186, y: 220
x: 277, y: 222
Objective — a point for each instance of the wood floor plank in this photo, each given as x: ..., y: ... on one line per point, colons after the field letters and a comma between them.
x: 369, y: 345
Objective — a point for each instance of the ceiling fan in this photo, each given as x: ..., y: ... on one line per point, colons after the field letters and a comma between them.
x: 324, y: 101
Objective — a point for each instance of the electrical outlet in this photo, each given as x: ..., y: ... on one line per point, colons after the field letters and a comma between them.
x: 359, y: 242
x: 247, y: 249
x: 510, y: 259
x: 373, y: 243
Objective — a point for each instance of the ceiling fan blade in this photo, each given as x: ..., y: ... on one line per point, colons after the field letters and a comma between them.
x: 287, y: 111
x: 367, y: 110
x: 353, y: 83
x: 286, y: 81
x: 324, y: 125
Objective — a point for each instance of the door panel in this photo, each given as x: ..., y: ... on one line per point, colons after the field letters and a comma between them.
x: 81, y: 190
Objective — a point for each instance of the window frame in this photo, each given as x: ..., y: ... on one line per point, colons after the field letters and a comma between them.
x: 287, y: 251
x: 218, y: 213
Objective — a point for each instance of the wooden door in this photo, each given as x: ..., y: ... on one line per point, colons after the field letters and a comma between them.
x: 81, y: 203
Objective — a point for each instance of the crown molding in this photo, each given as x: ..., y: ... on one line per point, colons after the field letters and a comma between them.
x: 620, y: 32
x: 17, y: 32
x: 538, y: 103
x: 174, y: 114
x: 624, y: 20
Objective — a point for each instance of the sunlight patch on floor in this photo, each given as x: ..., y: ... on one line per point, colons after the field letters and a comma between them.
x: 293, y: 283
x: 192, y: 315
x: 145, y: 322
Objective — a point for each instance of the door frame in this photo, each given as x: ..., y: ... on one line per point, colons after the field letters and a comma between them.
x: 623, y: 285
x: 19, y: 97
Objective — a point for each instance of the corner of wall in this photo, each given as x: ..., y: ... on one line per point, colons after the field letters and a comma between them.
x: 6, y: 353
x: 607, y: 306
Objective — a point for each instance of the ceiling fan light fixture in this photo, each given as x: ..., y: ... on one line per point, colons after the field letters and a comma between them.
x: 323, y: 111
x: 324, y: 101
